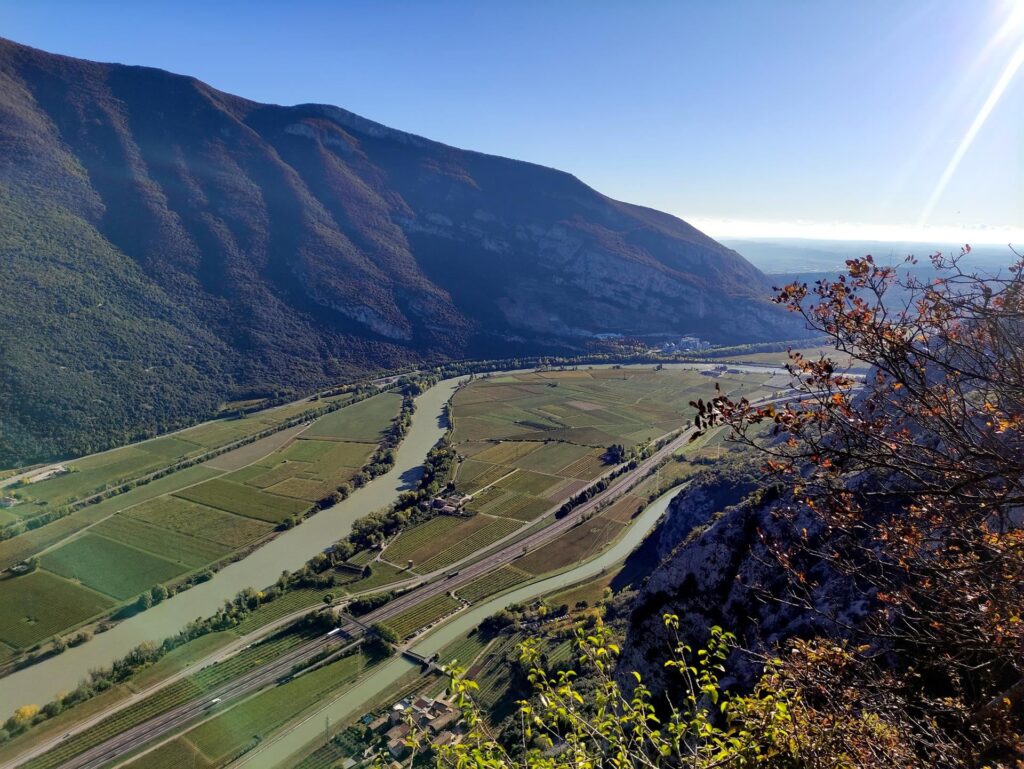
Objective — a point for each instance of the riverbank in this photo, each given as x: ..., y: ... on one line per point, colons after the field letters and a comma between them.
x: 43, y: 681
x: 280, y: 750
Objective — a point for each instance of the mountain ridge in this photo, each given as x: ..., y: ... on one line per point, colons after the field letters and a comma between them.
x: 180, y: 246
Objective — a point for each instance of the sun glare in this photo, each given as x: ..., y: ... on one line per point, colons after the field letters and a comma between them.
x: 1013, y: 26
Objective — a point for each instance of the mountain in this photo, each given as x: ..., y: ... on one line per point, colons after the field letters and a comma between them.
x: 167, y: 246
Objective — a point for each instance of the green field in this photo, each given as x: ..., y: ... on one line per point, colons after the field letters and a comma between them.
x: 363, y: 422
x: 508, y: 504
x: 553, y: 457
x: 529, y: 482
x: 94, y: 473
x: 166, y: 698
x: 422, y: 614
x: 474, y: 475
x: 108, y: 566
x: 38, y: 605
x: 492, y: 583
x: 243, y: 500
x: 328, y: 453
x: 32, y: 542
x: 586, y: 407
x: 283, y: 605
x: 442, y: 541
x: 381, y: 574
x: 577, y: 544
x: 624, y: 509
x: 160, y: 530
x: 412, y: 541
x: 174, y: 546
x: 176, y: 754
x: 508, y: 452
x: 208, y: 523
x: 483, y: 536
x: 306, y: 469
x: 222, y: 736
x: 463, y: 651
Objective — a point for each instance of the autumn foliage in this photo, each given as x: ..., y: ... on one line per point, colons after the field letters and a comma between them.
x: 913, y: 481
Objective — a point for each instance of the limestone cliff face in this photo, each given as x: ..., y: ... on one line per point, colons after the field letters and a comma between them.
x: 719, y: 571
x: 243, y: 248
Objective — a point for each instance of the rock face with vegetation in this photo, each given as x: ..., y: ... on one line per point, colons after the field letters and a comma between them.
x: 719, y: 572
x: 167, y: 246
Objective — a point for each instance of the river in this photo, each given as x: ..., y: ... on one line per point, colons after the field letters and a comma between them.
x: 352, y: 702
x: 42, y: 682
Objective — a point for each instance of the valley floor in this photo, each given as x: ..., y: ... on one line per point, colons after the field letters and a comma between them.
x: 526, y: 444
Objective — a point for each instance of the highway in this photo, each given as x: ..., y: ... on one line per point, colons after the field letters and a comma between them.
x: 444, y: 580
x: 352, y: 629
x: 516, y: 547
x: 165, y: 723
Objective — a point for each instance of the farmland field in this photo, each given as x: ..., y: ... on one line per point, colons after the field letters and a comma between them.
x: 464, y: 538
x: 381, y: 573
x: 306, y: 469
x: 363, y: 422
x: 474, y: 475
x: 209, y: 523
x: 173, y: 755
x: 553, y: 457
x: 463, y: 650
x: 577, y: 544
x: 37, y: 605
x: 482, y: 537
x: 422, y: 614
x: 495, y: 582
x: 529, y: 482
x: 250, y: 452
x: 623, y: 510
x: 411, y: 540
x: 108, y: 566
x: 242, y: 500
x: 32, y: 542
x: 521, y: 507
x: 230, y: 731
x: 174, y: 546
x: 181, y: 522
x: 283, y: 605
x: 550, y: 429
x: 168, y: 697
x: 99, y: 471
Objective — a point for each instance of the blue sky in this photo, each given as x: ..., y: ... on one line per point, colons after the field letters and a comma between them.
x: 787, y: 118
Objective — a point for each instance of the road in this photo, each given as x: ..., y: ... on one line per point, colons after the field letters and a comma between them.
x: 166, y: 723
x: 144, y: 733
x: 502, y: 552
x: 514, y: 549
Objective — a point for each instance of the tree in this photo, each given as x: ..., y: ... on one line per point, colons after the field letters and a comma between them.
x: 913, y: 485
x: 386, y: 633
x: 21, y: 719
x: 568, y: 724
x: 145, y: 600
x: 615, y: 454
x: 158, y: 593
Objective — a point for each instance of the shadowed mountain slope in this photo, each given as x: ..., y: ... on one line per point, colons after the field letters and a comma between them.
x: 167, y: 246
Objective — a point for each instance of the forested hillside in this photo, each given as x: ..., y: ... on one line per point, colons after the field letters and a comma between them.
x: 167, y: 247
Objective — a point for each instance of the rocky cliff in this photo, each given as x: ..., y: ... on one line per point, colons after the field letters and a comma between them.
x: 167, y: 246
x: 718, y: 570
